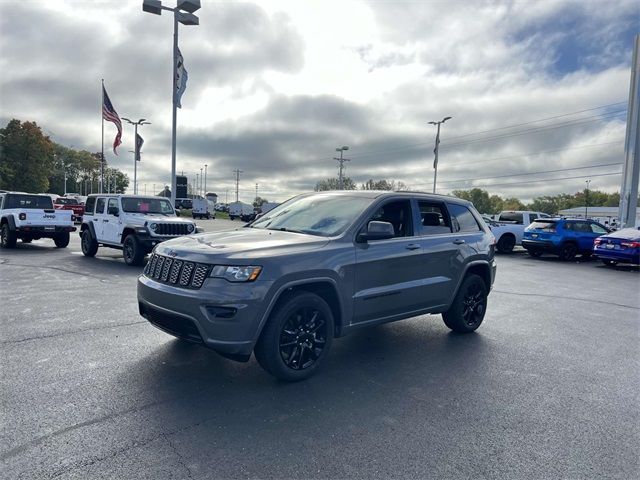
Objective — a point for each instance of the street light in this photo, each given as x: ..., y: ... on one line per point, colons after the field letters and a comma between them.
x: 183, y: 13
x: 201, y: 177
x: 586, y: 199
x: 341, y: 162
x: 136, y: 151
x: 435, y: 151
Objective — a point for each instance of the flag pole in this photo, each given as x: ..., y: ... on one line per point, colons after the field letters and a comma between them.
x: 102, y: 151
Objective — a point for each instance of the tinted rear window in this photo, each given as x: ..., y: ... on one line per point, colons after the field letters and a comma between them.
x: 511, y: 217
x: 544, y: 226
x: 40, y: 202
x: 67, y: 201
x: 462, y: 219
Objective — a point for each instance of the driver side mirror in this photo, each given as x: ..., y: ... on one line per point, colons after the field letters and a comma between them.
x: 113, y: 211
x: 376, y: 231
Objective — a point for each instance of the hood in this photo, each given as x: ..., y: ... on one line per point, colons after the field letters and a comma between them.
x: 241, y: 244
x: 155, y: 217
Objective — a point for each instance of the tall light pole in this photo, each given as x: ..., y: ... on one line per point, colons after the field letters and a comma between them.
x: 201, y: 177
x: 136, y: 149
x: 256, y: 194
x: 435, y: 151
x: 341, y: 162
x: 205, y: 179
x: 586, y: 199
x: 197, y: 186
x: 183, y: 13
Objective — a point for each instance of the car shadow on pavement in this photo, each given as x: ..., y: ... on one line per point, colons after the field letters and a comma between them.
x: 378, y: 371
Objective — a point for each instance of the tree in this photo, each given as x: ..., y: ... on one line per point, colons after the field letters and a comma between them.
x: 259, y: 201
x: 26, y: 157
x: 334, y: 184
x: 511, y: 203
x: 479, y: 198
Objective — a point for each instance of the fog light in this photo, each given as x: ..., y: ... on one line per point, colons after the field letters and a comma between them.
x: 221, y: 312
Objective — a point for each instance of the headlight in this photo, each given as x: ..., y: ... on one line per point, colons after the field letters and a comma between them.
x: 236, y: 274
x: 153, y: 227
x: 191, y: 227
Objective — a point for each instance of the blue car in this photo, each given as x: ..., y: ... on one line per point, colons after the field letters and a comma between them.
x: 563, y: 237
x: 622, y: 246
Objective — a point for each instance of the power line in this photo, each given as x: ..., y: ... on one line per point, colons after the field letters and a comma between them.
x: 543, y: 180
x: 486, y: 160
x: 533, y: 173
x: 421, y: 144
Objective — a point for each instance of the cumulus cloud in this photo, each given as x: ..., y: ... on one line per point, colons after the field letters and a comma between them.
x: 275, y: 87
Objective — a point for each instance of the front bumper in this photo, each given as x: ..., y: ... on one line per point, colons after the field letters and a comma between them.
x: 148, y: 241
x: 221, y: 315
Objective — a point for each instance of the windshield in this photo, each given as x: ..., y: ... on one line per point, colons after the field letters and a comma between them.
x: 324, y: 215
x: 544, y: 226
x: 147, y: 205
x: 40, y: 202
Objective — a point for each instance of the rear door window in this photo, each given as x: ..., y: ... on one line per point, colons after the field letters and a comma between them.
x: 434, y: 218
x: 595, y: 228
x: 463, y: 220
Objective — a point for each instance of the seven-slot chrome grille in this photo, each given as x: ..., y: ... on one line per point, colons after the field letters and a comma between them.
x: 171, y: 229
x: 176, y: 272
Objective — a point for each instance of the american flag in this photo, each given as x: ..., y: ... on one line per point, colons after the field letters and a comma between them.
x: 110, y: 115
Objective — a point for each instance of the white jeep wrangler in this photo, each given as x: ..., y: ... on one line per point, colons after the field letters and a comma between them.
x: 134, y: 224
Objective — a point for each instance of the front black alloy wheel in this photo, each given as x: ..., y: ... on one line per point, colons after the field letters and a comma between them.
x: 132, y: 251
x: 469, y: 307
x: 88, y: 244
x: 506, y: 243
x: 297, y: 337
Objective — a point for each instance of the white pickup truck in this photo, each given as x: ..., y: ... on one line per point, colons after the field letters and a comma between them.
x: 508, y: 227
x: 30, y: 217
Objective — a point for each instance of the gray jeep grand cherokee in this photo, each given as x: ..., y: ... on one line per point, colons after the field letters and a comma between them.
x: 317, y: 267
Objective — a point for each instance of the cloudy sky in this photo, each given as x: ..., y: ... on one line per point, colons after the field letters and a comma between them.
x: 275, y: 86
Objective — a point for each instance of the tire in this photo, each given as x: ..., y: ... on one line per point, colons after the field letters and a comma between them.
x: 61, y: 240
x: 132, y: 252
x: 88, y: 244
x: 568, y: 252
x: 609, y: 263
x: 535, y: 252
x: 586, y: 255
x: 506, y: 243
x: 469, y: 307
x: 8, y: 237
x: 297, y: 337
x: 193, y: 215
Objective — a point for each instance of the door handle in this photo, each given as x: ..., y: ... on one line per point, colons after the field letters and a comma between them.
x: 105, y: 220
x: 458, y: 241
x: 412, y: 246
x: 95, y: 219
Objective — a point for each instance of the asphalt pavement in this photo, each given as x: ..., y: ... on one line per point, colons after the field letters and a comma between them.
x: 548, y: 387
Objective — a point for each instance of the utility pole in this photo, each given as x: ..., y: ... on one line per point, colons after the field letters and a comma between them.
x: 197, y: 180
x: 341, y: 162
x: 586, y: 200
x: 205, y: 179
x: 435, y: 151
x: 631, y: 168
x: 201, y: 177
x: 237, y: 172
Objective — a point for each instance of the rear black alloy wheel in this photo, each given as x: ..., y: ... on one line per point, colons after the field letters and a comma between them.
x: 506, y: 243
x: 88, y: 244
x: 568, y: 252
x: 297, y: 337
x: 61, y: 240
x: 469, y: 306
x: 132, y: 251
x: 8, y: 237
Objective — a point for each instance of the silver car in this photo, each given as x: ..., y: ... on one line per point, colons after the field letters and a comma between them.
x: 318, y: 267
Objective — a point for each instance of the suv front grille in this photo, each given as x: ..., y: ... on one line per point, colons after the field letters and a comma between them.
x: 176, y: 272
x: 172, y: 229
